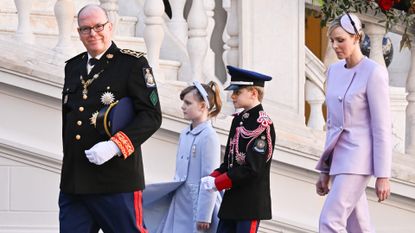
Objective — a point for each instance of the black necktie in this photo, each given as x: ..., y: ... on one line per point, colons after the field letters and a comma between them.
x: 93, y: 61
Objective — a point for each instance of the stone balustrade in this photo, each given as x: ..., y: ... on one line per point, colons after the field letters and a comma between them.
x: 195, y: 35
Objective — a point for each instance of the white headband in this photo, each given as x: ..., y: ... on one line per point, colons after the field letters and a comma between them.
x: 347, y: 21
x: 202, y: 92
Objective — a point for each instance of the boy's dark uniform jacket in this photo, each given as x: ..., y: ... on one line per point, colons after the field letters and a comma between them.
x: 120, y: 75
x: 246, y: 180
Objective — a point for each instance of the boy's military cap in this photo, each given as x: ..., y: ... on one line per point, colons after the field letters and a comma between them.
x: 241, y: 77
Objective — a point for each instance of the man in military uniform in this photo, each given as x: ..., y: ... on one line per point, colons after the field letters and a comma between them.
x: 244, y: 174
x: 102, y: 177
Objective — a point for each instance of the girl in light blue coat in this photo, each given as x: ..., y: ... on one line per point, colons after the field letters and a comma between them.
x: 190, y: 207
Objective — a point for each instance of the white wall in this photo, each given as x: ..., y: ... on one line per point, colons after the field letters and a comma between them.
x: 399, y: 67
x: 272, y: 42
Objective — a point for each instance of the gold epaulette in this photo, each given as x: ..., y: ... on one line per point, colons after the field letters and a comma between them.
x: 132, y: 53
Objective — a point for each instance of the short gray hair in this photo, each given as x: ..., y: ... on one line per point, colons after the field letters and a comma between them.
x: 92, y: 6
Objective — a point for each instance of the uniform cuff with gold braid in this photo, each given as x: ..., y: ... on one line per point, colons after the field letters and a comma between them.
x: 223, y: 182
x: 124, y: 143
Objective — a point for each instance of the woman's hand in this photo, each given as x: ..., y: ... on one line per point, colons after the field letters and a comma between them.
x: 382, y: 188
x: 322, y: 185
x: 202, y: 226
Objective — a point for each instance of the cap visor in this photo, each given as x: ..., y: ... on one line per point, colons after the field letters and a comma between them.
x: 232, y: 87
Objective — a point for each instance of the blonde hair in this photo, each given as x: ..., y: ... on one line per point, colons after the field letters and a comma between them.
x: 213, y: 91
x: 259, y: 89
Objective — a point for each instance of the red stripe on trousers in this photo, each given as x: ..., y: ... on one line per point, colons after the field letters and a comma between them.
x: 254, y: 226
x: 139, y: 211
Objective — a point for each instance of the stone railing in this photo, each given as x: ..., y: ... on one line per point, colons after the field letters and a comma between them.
x: 314, y: 89
x: 200, y: 24
x: 64, y: 12
x: 195, y: 36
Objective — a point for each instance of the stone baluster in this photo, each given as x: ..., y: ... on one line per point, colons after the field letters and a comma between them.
x: 64, y: 13
x: 410, y: 109
x: 24, y: 29
x: 178, y: 25
x: 197, y: 44
x: 315, y: 98
x: 209, y: 63
x: 154, y: 34
x: 231, y: 39
x: 111, y: 6
x: 376, y: 33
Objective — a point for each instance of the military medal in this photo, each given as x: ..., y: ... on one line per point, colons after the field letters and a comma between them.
x: 240, y: 158
x: 93, y: 119
x: 88, y: 82
x: 110, y: 55
x: 107, y: 98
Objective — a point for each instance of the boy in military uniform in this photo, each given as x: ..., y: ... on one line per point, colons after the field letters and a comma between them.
x: 245, y: 172
x: 102, y: 175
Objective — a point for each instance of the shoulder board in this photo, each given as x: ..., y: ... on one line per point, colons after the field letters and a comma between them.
x: 264, y: 119
x: 132, y: 53
x: 76, y: 57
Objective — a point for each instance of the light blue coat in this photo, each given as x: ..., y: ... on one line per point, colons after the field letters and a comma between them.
x: 175, y: 207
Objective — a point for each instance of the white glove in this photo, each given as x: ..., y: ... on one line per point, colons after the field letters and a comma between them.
x: 208, y: 183
x: 102, y: 152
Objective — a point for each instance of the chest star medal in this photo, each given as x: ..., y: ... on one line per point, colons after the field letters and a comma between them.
x: 107, y: 98
x: 93, y: 119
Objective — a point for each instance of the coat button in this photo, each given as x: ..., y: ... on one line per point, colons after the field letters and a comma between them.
x: 341, y: 127
x: 81, y: 109
x: 78, y: 137
x: 340, y: 98
x: 79, y: 123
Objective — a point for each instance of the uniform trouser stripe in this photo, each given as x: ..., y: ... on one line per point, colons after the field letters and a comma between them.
x: 254, y: 226
x: 139, y: 211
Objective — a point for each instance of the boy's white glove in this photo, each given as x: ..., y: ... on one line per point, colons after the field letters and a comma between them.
x: 102, y: 152
x: 208, y: 183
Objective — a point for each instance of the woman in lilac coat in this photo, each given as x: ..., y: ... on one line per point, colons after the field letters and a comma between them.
x: 358, y: 140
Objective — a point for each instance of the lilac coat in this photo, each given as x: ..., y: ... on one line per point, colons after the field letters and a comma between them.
x: 359, y: 127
